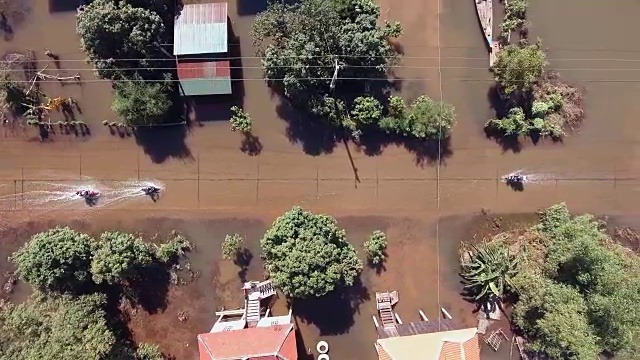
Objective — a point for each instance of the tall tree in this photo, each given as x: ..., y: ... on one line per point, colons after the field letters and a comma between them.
x: 141, y: 103
x: 120, y: 39
x: 301, y: 44
x: 307, y: 255
x: 517, y: 68
x: 65, y: 328
x: 55, y: 260
x: 119, y: 257
x: 577, y: 299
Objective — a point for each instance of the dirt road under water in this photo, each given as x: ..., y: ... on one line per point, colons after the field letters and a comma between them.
x: 213, y: 188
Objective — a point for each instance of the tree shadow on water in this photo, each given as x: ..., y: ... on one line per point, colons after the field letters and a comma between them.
x: 150, y: 290
x: 163, y: 142
x: 501, y: 107
x: 243, y: 260
x: 426, y: 152
x: 316, y: 135
x: 332, y: 314
x: 251, y: 144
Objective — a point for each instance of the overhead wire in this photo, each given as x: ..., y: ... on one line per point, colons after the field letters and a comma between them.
x: 330, y: 67
x: 445, y: 80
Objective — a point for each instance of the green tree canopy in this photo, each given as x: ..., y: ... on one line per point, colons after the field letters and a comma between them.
x: 578, y: 301
x: 307, y: 255
x: 112, y: 33
x: 424, y: 119
x: 517, y: 68
x: 55, y: 260
x: 118, y: 257
x: 376, y: 247
x: 64, y: 328
x: 301, y: 44
x: 141, y: 103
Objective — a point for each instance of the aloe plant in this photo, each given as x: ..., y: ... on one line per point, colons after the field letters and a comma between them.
x: 489, y: 270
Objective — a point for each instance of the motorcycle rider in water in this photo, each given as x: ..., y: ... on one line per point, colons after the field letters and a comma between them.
x: 515, y: 178
x: 149, y: 190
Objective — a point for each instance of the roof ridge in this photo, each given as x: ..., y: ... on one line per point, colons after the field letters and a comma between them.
x: 284, y: 340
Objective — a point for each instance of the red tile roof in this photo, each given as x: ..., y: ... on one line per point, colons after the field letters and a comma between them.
x: 469, y: 350
x: 203, y: 70
x: 274, y: 342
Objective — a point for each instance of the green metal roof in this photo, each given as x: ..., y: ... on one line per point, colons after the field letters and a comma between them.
x: 201, y: 29
x: 210, y: 86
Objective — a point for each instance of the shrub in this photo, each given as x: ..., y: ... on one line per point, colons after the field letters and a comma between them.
x: 490, y: 271
x: 307, y: 255
x: 424, y: 119
x: 376, y: 247
x: 231, y: 246
x: 366, y: 110
x: 55, y: 260
x: 240, y: 121
x: 176, y: 246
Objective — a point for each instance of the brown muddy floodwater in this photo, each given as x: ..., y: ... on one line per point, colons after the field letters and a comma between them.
x: 213, y: 188
x: 344, y: 321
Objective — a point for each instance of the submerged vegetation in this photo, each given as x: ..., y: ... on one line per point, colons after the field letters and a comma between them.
x: 74, y: 275
x: 573, y: 289
x: 537, y: 102
x: 348, y: 91
x: 123, y: 41
x: 307, y: 255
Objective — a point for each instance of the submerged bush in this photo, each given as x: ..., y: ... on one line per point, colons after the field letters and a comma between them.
x: 376, y: 247
x: 425, y: 118
x: 240, y: 121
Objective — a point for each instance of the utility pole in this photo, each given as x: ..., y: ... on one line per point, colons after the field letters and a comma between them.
x: 335, y: 75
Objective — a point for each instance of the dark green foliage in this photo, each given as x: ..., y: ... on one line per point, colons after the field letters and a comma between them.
x: 299, y: 44
x: 307, y: 255
x: 119, y: 257
x: 514, y: 124
x: 231, y: 246
x: 148, y: 352
x: 424, y: 119
x: 366, y: 111
x: 579, y: 301
x: 518, y: 68
x: 376, y: 247
x: 48, y: 327
x: 141, y: 103
x: 175, y: 247
x: 240, y: 121
x: 489, y: 272
x: 55, y: 260
x: 114, y: 32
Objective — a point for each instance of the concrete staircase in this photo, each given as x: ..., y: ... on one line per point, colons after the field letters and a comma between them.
x: 252, y: 311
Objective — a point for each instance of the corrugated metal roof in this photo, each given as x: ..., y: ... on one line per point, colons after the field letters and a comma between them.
x: 205, y: 78
x: 201, y: 29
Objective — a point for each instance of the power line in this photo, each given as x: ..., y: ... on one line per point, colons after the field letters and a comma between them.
x: 328, y: 56
x: 329, y: 79
x: 438, y: 165
x: 332, y: 66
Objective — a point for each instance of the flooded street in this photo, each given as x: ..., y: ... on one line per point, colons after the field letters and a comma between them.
x: 212, y: 188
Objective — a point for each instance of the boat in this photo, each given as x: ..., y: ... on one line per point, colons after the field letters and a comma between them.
x: 484, y: 9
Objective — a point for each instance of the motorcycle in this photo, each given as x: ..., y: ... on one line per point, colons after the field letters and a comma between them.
x: 515, y: 179
x: 88, y: 194
x: 150, y: 190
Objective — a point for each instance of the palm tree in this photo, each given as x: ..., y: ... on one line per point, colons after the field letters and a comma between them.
x: 489, y: 270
